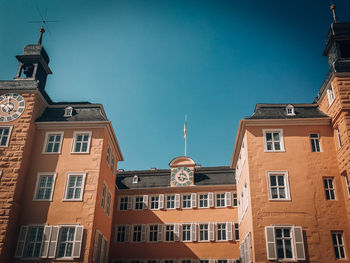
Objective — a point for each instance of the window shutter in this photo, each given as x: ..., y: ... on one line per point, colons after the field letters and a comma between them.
x: 229, y: 230
x: 95, y: 252
x: 161, y: 201
x: 211, y: 232
x: 46, y: 242
x: 127, y: 233
x: 160, y: 232
x: 193, y: 232
x: 211, y: 260
x: 143, y: 233
x: 211, y: 199
x: 230, y: 261
x: 299, y: 243
x: 193, y: 200
x: 270, y: 242
x: 228, y: 199
x: 21, y: 241
x: 53, y: 242
x: 248, y: 247
x: 145, y: 201
x: 241, y: 253
x: 177, y: 232
x: 177, y: 200
x: 129, y: 202
x: 79, y: 231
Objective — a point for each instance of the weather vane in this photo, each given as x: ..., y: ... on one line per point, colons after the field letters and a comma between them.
x: 44, y: 22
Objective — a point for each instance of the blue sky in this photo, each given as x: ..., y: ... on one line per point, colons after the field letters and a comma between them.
x: 152, y: 62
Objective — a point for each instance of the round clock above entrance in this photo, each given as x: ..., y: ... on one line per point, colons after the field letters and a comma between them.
x: 182, y: 171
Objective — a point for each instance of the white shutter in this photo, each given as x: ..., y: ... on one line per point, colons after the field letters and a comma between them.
x: 211, y: 232
x: 229, y: 231
x: 53, y: 242
x: 177, y: 232
x: 143, y: 233
x: 299, y: 243
x: 127, y: 233
x: 270, y: 243
x: 211, y: 199
x: 21, y: 241
x: 177, y: 200
x: 193, y: 200
x: 79, y: 231
x: 249, y: 250
x: 211, y: 260
x: 228, y: 199
x: 230, y: 261
x: 160, y: 232
x: 129, y: 202
x: 161, y: 201
x: 46, y: 242
x: 193, y: 232
x: 145, y: 201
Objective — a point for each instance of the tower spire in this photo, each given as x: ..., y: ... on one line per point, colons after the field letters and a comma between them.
x: 42, y: 31
x: 332, y: 8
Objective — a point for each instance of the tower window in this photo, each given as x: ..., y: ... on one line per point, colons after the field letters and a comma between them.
x: 290, y: 110
x: 68, y: 111
x: 135, y: 179
x: 28, y: 70
x: 331, y: 96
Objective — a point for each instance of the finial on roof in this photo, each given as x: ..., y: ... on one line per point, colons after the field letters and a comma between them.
x: 332, y: 8
x: 42, y: 31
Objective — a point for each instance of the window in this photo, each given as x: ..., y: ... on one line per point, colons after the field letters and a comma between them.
x: 347, y: 184
x: 339, y: 138
x: 284, y: 243
x: 203, y: 232
x: 234, y: 200
x: 100, y: 252
x: 329, y: 188
x: 34, y: 241
x: 135, y: 179
x: 273, y: 140
x: 220, y: 200
x: 68, y: 111
x: 103, y: 196
x: 155, y: 202
x: 125, y: 203
x: 315, y: 142
x: 222, y: 260
x: 169, y: 233
x: 81, y: 142
x: 169, y: 261
x: 5, y: 133
x: 331, y: 96
x: 203, y: 200
x: 44, y: 186
x: 108, y: 154
x: 154, y: 233
x: 278, y: 185
x: 170, y: 202
x: 186, y: 201
x: 138, y: 202
x: 113, y: 165
x: 221, y: 232
x: 74, y: 187
x: 186, y: 261
x: 66, y: 240
x: 109, y: 200
x: 186, y: 232
x: 290, y: 110
x: 122, y: 233
x: 204, y: 261
x: 53, y: 142
x: 236, y: 231
x: 136, y: 233
x: 338, y: 245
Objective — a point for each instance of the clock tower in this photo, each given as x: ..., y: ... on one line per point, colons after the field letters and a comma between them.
x: 22, y: 101
x: 182, y: 171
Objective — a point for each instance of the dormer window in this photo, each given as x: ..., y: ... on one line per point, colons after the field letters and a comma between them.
x: 135, y: 179
x: 68, y: 112
x: 290, y: 110
x: 330, y: 93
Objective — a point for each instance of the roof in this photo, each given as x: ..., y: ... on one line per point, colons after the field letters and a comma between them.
x: 204, y: 176
x: 278, y: 111
x: 91, y: 112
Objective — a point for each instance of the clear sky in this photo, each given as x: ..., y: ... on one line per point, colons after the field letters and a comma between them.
x: 152, y: 62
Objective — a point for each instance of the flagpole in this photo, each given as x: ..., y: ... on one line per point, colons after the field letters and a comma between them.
x: 185, y: 134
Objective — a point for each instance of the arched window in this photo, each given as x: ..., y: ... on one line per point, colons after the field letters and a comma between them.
x: 290, y: 110
x: 68, y: 111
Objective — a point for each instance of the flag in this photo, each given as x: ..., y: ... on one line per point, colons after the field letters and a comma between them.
x: 185, y: 128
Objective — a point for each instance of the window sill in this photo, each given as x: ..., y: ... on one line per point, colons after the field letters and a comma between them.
x: 51, y: 153
x: 72, y: 200
x: 80, y: 152
x: 280, y: 200
x: 42, y: 200
x: 274, y: 151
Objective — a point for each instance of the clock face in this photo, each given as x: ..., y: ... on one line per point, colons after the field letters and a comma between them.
x: 181, y: 176
x: 12, y: 106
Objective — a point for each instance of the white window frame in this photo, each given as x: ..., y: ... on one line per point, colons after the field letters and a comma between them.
x: 329, y: 189
x: 67, y: 187
x: 140, y: 203
x: 108, y: 154
x: 75, y: 134
x: 155, y: 202
x: 338, y: 245
x: 216, y: 199
x: 199, y: 200
x: 113, y: 164
x: 155, y: 233
x: 8, y: 137
x: 281, y: 140
x: 346, y: 178
x: 25, y: 245
x: 199, y: 232
x: 235, y: 230
x: 290, y: 110
x: 339, y: 138
x: 234, y: 199
x: 128, y: 202
x: 103, y: 196
x: 190, y: 200
x: 108, y: 203
x: 133, y: 232
x: 46, y: 142
x: 68, y: 111
x: 182, y: 231
x: 170, y: 201
x: 39, y: 175
x: 223, y: 230
x: 315, y: 141
x: 286, y: 185
x: 59, y: 241
x: 166, y: 231
x: 331, y: 95
x: 122, y: 232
